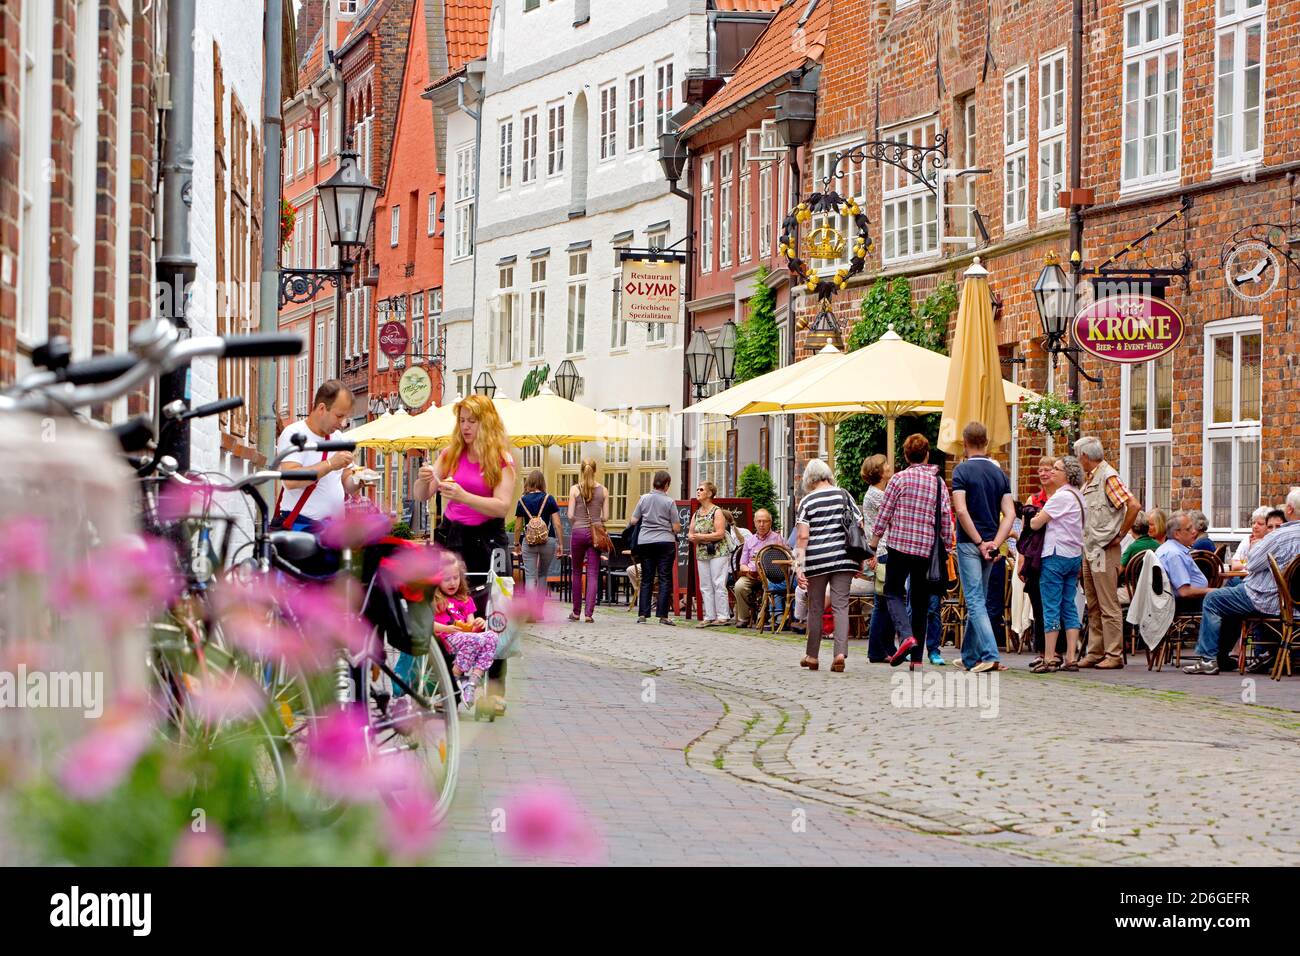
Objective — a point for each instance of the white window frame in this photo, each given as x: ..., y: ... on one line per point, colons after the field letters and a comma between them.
x: 1148, y: 439
x: 504, y: 342
x: 1137, y: 54
x: 431, y: 215
x: 1236, y: 25
x: 1238, y: 429
x: 537, y: 308
x: 323, y: 121
x: 765, y: 211
x: 744, y: 209
x: 903, y: 201
x: 395, y: 225
x: 726, y: 217
x: 636, y: 111
x: 665, y: 96
x: 300, y: 381
x: 617, y: 327
x: 1015, y: 142
x: 576, y: 304
x: 1052, y: 115
x: 505, y: 154
x: 302, y: 151
x: 654, y: 422
x: 616, y: 486
x: 417, y: 328
x: 528, y: 148
x: 707, y: 165
x: 608, y: 103
x: 464, y: 203
x: 555, y: 139
x: 970, y: 119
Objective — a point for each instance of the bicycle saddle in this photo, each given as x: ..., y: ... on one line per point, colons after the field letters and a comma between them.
x: 295, y: 547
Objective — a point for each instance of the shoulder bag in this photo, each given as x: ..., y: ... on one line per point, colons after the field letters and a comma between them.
x: 939, y: 550
x: 855, y: 539
x: 599, y: 536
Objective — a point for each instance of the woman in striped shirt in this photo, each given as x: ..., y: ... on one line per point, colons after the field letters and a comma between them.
x: 820, y: 559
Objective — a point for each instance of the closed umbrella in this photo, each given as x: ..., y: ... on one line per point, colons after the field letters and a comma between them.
x: 973, y: 393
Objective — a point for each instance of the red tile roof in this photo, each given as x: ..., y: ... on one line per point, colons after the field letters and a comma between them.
x: 467, y: 31
x: 782, y: 47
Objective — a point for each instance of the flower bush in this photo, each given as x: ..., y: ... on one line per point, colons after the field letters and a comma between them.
x: 1051, y: 415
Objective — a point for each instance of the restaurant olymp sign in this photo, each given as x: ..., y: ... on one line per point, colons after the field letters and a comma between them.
x: 1128, y: 328
x: 652, y: 291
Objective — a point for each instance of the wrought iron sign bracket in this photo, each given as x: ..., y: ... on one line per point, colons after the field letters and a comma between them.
x: 921, y: 163
x: 1108, y: 270
x: 302, y: 285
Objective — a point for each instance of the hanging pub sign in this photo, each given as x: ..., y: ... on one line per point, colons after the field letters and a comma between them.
x: 393, y: 339
x: 651, y: 291
x: 415, y: 387
x: 1128, y: 328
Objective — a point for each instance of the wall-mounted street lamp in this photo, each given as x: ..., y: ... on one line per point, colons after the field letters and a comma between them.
x: 566, y: 380
x: 1054, y: 297
x: 724, y: 353
x: 699, y: 358
x: 485, y: 384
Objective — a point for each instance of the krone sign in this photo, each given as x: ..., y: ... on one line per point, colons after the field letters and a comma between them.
x: 652, y: 291
x: 415, y: 387
x: 1128, y: 328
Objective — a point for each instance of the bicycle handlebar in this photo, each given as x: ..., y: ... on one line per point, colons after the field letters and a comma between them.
x: 334, y: 446
x: 298, y: 475
x: 213, y: 408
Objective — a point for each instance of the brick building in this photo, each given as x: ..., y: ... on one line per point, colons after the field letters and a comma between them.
x: 1152, y: 132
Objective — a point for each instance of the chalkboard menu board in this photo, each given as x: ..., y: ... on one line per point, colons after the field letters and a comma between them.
x: 566, y: 523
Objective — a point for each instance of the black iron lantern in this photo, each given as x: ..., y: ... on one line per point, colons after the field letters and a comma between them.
x: 672, y: 156
x: 1054, y: 298
x: 824, y: 331
x: 724, y: 353
x: 699, y: 356
x: 796, y: 115
x: 566, y: 380
x: 485, y: 384
x: 348, y: 203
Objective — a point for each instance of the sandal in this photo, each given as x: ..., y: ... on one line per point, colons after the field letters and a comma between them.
x: 1071, y: 666
x: 1046, y: 667
x: 837, y: 665
x: 811, y: 663
x: 591, y: 620
x: 573, y: 618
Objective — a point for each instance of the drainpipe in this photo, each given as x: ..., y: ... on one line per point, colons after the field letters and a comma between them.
x: 790, y: 451
x: 688, y: 291
x: 477, y: 117
x: 175, y: 267
x: 1076, y: 164
x: 269, y: 291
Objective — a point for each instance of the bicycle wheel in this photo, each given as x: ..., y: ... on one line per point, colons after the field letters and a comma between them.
x: 427, y: 727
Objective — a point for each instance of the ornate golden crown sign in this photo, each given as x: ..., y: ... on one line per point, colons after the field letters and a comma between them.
x: 825, y: 242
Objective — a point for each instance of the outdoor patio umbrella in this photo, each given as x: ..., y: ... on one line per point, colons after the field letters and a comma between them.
x: 383, y: 432
x: 889, y: 377
x: 973, y: 392
x: 732, y: 400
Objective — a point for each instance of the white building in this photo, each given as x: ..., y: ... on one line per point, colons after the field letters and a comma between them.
x: 568, y: 173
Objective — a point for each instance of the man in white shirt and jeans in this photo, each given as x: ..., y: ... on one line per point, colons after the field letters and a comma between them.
x: 305, y: 504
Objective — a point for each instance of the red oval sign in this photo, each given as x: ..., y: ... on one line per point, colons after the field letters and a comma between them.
x: 393, y: 339
x: 1128, y: 328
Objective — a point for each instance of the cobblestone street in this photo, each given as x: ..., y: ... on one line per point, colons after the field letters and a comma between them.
x: 738, y: 744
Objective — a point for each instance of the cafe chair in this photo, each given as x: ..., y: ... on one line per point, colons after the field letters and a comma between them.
x: 775, y: 585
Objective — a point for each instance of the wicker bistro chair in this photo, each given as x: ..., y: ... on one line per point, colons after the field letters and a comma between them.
x: 1009, y: 637
x: 1186, y: 628
x: 861, y: 606
x: 1132, y: 571
x: 1282, y: 627
x: 952, y: 615
x: 776, y: 586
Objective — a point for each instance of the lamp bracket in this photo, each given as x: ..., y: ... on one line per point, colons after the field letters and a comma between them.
x: 302, y: 285
x: 667, y: 254
x: 921, y: 163
x: 1178, y: 267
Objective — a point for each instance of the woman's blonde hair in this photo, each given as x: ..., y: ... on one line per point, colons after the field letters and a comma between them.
x: 491, y: 447
x: 710, y: 487
x: 440, y: 598
x: 587, y: 483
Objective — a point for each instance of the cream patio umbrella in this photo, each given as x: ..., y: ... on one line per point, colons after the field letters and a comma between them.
x: 889, y: 377
x: 383, y: 432
x: 548, y: 420
x: 739, y: 396
x: 972, y: 394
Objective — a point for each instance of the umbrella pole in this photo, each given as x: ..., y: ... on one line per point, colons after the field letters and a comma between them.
x: 889, y: 437
x: 830, y: 446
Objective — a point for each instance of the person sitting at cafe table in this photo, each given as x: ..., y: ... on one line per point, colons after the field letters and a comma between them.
x: 1149, y: 532
x: 746, y: 587
x: 1203, y: 540
x: 1225, y: 607
x: 1276, y: 518
x: 1186, y: 579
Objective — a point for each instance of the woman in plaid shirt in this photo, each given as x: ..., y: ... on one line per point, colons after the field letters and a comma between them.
x: 907, y: 516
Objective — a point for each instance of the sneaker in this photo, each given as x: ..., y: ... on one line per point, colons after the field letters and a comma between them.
x: 984, y: 666
x: 904, y: 650
x: 936, y: 659
x: 641, y: 620
x: 668, y: 620
x: 1260, y: 665
x: 1203, y: 666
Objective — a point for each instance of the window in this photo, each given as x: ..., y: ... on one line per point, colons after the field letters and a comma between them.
x: 967, y: 111
x: 1146, y: 438
x: 745, y: 239
x: 462, y: 383
x: 1051, y: 133
x: 726, y: 186
x: 571, y: 455
x: 417, y: 328
x: 318, y: 366
x: 433, y: 328
x: 618, y: 452
x: 394, y: 225
x: 431, y: 215
x: 505, y: 343
x: 530, y: 5
x: 555, y: 140
x: 663, y: 96
x: 577, y: 316
x: 464, y: 213
x: 654, y: 422
x: 302, y: 150
x: 283, y: 369
x: 706, y: 214
x: 1015, y: 166
x: 348, y: 6
x: 712, y: 462
x: 636, y: 111
x: 324, y: 125
x: 1153, y: 50
x: 850, y: 181
x: 765, y: 210
x: 537, y: 310
x: 911, y: 212
x: 617, y: 327
x: 616, y: 486
x: 608, y: 121
x: 1239, y: 82
x: 323, y: 258
x: 505, y: 154
x: 300, y: 408
x: 1233, y: 396
x: 299, y: 229
x: 528, y: 166
x: 309, y: 234
x: 531, y: 456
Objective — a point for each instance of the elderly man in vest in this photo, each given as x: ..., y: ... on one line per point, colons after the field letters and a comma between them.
x: 1111, y: 512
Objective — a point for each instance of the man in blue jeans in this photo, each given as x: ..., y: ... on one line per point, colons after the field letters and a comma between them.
x: 1258, y: 596
x: 985, y: 511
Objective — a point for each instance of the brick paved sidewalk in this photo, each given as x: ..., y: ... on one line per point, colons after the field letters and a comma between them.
x: 582, y: 724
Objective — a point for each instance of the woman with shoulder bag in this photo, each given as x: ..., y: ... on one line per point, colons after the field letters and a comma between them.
x: 1063, y: 516
x: 827, y: 528
x: 712, y: 555
x: 588, y: 511
x: 537, y: 525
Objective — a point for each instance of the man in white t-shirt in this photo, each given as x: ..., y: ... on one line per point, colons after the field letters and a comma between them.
x: 330, y: 411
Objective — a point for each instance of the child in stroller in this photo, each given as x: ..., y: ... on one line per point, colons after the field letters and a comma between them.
x: 464, y: 635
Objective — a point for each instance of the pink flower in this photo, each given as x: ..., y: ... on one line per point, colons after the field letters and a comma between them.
x: 326, y: 615
x: 23, y: 548
x: 547, y: 822
x: 122, y: 584
x: 176, y: 501
x: 408, y: 826
x: 414, y: 569
x: 355, y: 530
x: 102, y: 759
x: 339, y: 761
x: 252, y: 620
x: 527, y: 604
x: 219, y: 698
x: 205, y: 848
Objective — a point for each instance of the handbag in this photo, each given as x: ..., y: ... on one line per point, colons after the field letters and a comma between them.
x: 600, y: 539
x: 938, y: 570
x: 855, y: 539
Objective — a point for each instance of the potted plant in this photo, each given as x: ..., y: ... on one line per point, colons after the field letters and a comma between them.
x: 1051, y: 415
